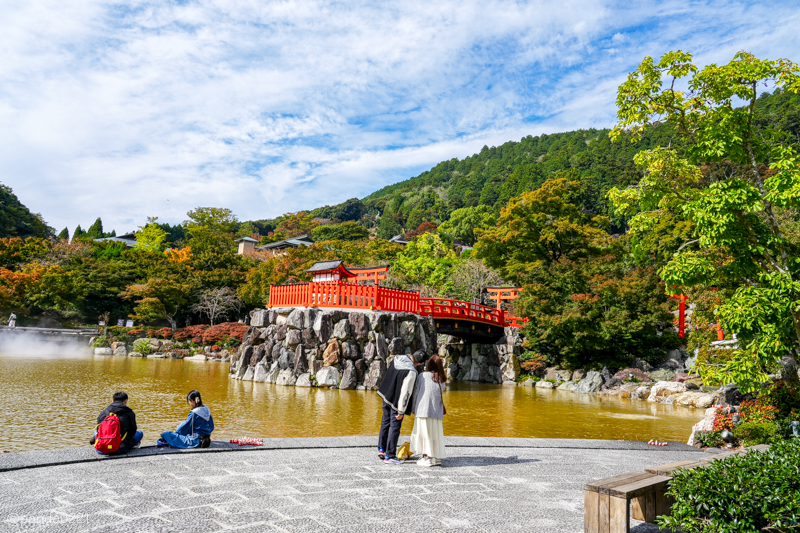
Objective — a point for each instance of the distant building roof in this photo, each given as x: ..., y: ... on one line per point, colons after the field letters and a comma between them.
x: 398, y: 239
x: 245, y: 239
x: 321, y: 266
x: 294, y: 242
x: 129, y: 239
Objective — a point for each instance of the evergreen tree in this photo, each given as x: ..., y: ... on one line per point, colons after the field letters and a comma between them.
x: 78, y: 233
x: 64, y: 235
x: 389, y: 227
x: 96, y: 230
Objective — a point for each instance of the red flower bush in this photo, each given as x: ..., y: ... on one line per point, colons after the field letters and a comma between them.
x: 757, y: 412
x: 218, y: 333
x: 723, y: 420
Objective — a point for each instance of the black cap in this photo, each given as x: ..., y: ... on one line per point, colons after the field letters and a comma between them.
x: 419, y: 357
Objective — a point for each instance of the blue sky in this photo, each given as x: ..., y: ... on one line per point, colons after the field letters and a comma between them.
x: 132, y: 109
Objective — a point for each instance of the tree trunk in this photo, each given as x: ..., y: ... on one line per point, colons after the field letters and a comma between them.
x: 173, y: 324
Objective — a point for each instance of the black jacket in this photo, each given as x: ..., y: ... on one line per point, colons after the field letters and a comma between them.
x: 127, y: 421
x: 398, y: 384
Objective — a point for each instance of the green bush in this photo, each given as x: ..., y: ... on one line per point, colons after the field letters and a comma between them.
x: 710, y: 439
x: 101, y: 342
x: 142, y: 346
x: 752, y: 433
x: 746, y: 493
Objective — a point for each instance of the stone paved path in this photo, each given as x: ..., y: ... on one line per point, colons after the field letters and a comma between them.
x: 478, y: 489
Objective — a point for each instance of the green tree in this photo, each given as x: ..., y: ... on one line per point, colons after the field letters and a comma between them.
x: 346, y: 231
x: 16, y: 220
x: 425, y: 265
x: 389, y: 226
x: 78, y: 233
x: 736, y: 212
x: 64, y: 235
x: 160, y: 298
x: 463, y: 222
x: 96, y: 230
x: 150, y: 237
x: 537, y: 229
x: 211, y: 231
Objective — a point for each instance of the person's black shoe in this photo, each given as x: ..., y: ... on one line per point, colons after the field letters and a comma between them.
x: 205, y: 441
x: 381, y: 454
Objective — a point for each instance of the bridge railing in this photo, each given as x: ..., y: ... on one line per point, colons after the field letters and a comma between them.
x: 440, y: 308
x: 344, y: 295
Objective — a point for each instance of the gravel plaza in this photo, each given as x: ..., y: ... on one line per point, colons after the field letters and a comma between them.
x: 318, y: 484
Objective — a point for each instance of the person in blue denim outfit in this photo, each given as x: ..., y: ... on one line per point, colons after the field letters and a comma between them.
x: 195, y: 431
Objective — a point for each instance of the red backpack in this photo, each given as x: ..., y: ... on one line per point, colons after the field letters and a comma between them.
x: 109, y: 436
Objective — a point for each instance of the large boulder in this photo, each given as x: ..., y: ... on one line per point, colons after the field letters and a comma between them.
x: 370, y: 351
x: 286, y: 378
x: 359, y: 325
x: 303, y: 380
x: 280, y: 332
x: 590, y: 384
x: 121, y: 349
x: 661, y: 374
x: 296, y: 319
x: 260, y: 318
x: 375, y: 375
x: 322, y: 327
x: 731, y: 395
x: 578, y: 375
x: 286, y: 359
x: 272, y: 317
x: 662, y: 390
x: 705, y: 425
x: 310, y: 338
x: 567, y: 385
x: 349, y: 377
x: 300, y: 360
x: 260, y: 374
x: 248, y: 374
x: 557, y: 374
x: 341, y: 331
x: 350, y: 351
x: 272, y: 373
x: 407, y: 332
x: 381, y: 347
x: 361, y: 370
x: 545, y: 385
x: 333, y: 352
x: 258, y: 354
x: 509, y: 371
x: 396, y: 346
x: 293, y: 338
x: 626, y: 373
x: 103, y: 351
x: 328, y: 377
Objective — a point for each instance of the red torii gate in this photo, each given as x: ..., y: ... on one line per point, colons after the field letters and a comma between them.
x: 682, y: 316
x: 507, y: 293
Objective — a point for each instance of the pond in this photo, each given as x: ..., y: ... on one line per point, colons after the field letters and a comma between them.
x: 51, y: 401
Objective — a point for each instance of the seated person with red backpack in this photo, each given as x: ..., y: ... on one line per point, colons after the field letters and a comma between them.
x: 116, y: 428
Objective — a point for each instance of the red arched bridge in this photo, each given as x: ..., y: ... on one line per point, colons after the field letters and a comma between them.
x: 334, y: 286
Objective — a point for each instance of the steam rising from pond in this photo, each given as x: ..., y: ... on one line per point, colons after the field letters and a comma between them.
x: 34, y: 345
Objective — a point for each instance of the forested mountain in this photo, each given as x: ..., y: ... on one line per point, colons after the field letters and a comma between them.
x: 16, y: 220
x: 495, y: 175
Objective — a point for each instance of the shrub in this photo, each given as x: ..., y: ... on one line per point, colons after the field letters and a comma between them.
x: 532, y: 362
x: 745, y: 493
x: 752, y: 433
x: 216, y: 334
x: 101, y: 342
x: 142, y: 346
x: 784, y: 399
x: 756, y: 412
x: 723, y: 420
x: 710, y: 439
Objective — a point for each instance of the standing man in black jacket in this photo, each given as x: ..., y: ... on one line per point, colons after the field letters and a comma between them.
x: 127, y: 421
x: 396, y: 390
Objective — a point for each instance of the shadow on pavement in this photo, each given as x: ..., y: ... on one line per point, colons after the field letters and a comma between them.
x: 481, y: 460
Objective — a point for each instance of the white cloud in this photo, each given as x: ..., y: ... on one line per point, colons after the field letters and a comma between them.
x: 125, y: 110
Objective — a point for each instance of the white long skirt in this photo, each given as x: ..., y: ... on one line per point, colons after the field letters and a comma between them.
x: 427, y: 437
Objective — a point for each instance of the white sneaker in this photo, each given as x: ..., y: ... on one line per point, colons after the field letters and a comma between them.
x: 422, y: 460
x: 425, y: 461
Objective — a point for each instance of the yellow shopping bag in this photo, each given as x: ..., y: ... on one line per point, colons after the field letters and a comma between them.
x: 404, y: 451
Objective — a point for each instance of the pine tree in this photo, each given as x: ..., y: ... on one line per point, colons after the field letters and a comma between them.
x: 388, y: 226
x: 96, y: 230
x: 64, y: 235
x: 78, y: 233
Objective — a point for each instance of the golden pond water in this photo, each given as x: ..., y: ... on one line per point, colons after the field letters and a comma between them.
x: 52, y: 402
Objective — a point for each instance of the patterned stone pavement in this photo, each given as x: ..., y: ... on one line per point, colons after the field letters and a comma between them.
x: 480, y: 488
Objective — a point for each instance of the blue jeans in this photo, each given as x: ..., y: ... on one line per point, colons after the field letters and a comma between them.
x: 122, y: 448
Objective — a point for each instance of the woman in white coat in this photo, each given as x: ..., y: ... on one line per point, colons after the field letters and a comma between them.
x: 427, y: 437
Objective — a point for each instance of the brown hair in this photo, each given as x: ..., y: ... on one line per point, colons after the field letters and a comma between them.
x: 436, y: 366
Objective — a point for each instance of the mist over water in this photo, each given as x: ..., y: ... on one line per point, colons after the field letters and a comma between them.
x: 52, y: 400
x: 29, y: 344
